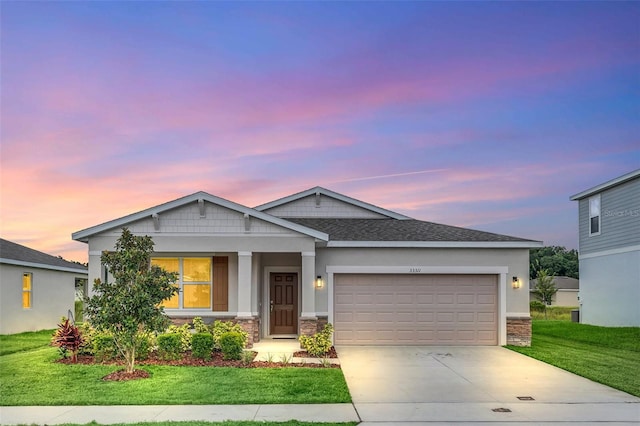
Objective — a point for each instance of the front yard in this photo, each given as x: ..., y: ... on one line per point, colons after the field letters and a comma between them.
x: 608, y: 355
x: 31, y: 376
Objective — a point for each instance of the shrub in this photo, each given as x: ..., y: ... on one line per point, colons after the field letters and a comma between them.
x: 231, y: 344
x: 104, y: 347
x: 218, y: 328
x: 145, y: 342
x: 536, y: 306
x: 199, y: 326
x: 169, y: 346
x: 68, y: 338
x: 202, y: 345
x: 184, y: 331
x: 318, y: 344
x: 88, y: 333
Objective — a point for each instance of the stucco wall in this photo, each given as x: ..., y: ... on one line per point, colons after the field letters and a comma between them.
x: 516, y: 260
x: 610, y: 289
x: 53, y: 294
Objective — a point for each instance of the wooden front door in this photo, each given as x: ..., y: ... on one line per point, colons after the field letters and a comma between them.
x: 284, y: 303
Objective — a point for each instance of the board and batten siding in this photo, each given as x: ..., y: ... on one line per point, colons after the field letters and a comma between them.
x: 619, y: 219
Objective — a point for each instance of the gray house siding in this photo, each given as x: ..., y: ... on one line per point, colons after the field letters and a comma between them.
x: 323, y: 206
x: 619, y: 219
x: 53, y: 294
x: 610, y: 289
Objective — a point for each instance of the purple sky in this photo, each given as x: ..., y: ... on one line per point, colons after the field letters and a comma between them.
x: 486, y: 115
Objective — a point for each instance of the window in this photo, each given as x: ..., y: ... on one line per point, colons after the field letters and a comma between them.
x: 27, y: 282
x: 194, y: 281
x: 594, y: 215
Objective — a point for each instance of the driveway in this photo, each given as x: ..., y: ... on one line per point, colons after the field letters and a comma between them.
x: 466, y: 384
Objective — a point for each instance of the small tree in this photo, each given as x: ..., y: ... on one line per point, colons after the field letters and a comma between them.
x: 131, y: 303
x: 545, y: 288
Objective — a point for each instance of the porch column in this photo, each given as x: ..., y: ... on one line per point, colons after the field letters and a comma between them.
x: 244, y: 284
x: 306, y: 285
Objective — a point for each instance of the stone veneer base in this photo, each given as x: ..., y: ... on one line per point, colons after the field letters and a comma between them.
x: 519, y: 331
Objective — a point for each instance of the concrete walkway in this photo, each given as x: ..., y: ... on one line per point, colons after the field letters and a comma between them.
x: 158, y: 413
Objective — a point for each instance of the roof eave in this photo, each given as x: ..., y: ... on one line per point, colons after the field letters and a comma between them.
x: 436, y: 244
x: 606, y: 185
x: 42, y: 266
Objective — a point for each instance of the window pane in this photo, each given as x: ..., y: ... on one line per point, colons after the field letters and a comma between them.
x: 594, y: 206
x: 26, y: 282
x: 595, y: 225
x: 197, y: 296
x: 26, y: 299
x: 196, y: 270
x: 167, y: 263
x: 172, y: 303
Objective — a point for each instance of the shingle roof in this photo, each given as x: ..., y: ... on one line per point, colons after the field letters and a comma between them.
x: 10, y: 251
x: 561, y: 283
x: 398, y: 230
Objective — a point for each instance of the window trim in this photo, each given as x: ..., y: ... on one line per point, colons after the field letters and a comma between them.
x: 592, y: 216
x: 29, y: 291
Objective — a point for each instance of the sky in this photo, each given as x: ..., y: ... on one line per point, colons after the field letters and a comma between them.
x: 487, y: 115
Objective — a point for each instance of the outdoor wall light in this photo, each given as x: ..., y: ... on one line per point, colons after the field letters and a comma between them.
x: 319, y: 283
x: 516, y: 283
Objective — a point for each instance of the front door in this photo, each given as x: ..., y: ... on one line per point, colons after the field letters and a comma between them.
x: 283, y: 292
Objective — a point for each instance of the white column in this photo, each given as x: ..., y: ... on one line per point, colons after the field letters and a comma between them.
x: 306, y: 285
x: 244, y: 284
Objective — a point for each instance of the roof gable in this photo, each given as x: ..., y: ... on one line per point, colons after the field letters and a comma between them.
x: 321, y: 202
x: 17, y: 254
x: 146, y: 218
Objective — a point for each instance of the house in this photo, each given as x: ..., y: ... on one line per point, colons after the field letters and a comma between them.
x: 36, y: 289
x: 567, y: 294
x: 609, y: 252
x: 288, y: 266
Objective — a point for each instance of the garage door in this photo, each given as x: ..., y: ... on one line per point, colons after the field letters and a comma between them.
x: 387, y: 309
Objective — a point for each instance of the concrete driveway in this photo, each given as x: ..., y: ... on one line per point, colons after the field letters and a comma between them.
x: 474, y: 384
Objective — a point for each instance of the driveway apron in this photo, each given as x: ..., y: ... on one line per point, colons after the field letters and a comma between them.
x: 471, y: 384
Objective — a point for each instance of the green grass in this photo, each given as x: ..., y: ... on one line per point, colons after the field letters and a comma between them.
x: 12, y: 343
x: 559, y: 313
x: 608, y: 355
x: 225, y: 423
x: 34, y: 378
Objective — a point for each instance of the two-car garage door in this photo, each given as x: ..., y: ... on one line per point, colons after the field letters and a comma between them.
x: 406, y: 309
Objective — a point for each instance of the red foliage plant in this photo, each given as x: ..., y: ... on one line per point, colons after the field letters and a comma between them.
x: 68, y: 337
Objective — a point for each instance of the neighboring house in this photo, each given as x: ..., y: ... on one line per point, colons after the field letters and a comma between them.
x: 289, y: 266
x: 567, y: 294
x: 609, y: 252
x: 36, y: 289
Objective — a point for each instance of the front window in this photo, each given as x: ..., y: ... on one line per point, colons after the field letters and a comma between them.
x: 194, y: 281
x: 27, y: 282
x: 594, y: 215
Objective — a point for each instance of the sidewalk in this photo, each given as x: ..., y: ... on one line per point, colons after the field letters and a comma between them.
x: 110, y: 414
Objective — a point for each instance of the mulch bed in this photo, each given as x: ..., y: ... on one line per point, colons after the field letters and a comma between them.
x: 304, y: 354
x: 189, y: 360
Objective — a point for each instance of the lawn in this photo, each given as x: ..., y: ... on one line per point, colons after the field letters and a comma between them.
x: 608, y: 355
x: 32, y: 377
x: 12, y: 343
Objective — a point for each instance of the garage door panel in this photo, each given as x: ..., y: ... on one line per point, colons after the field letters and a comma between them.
x: 415, y: 309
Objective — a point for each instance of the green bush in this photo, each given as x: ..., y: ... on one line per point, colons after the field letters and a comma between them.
x: 104, y: 347
x: 199, y: 326
x: 202, y: 345
x: 88, y: 333
x: 318, y: 344
x: 184, y: 331
x: 536, y: 306
x: 231, y: 344
x: 145, y: 343
x: 218, y: 328
x: 169, y: 346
